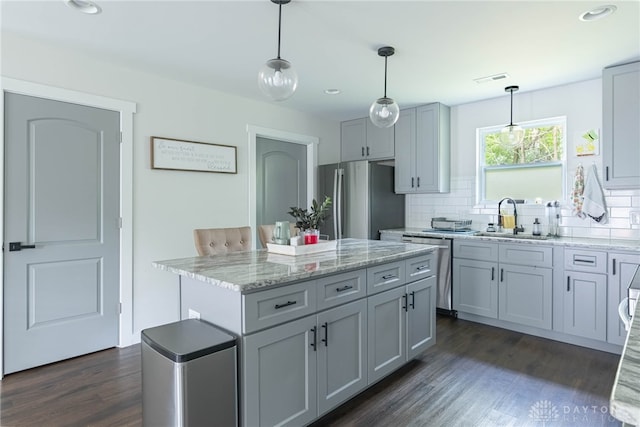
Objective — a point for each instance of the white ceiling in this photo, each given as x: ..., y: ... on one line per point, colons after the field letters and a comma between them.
x: 441, y: 46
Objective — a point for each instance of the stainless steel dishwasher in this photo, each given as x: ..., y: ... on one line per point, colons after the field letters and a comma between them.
x: 444, y: 299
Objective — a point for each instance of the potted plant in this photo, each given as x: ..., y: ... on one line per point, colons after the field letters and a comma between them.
x: 308, y: 221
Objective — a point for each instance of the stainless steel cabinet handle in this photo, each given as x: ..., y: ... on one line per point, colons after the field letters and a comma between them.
x: 325, y: 340
x: 344, y: 288
x: 286, y: 304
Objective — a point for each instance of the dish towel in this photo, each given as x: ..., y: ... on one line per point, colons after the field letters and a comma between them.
x: 577, y: 192
x: 593, y: 202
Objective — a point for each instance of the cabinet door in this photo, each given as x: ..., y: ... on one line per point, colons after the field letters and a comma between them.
x: 421, y: 316
x: 405, y: 141
x: 380, y: 142
x: 621, y: 127
x: 525, y: 295
x: 342, y: 347
x: 353, y: 140
x: 279, y: 375
x: 475, y: 287
x: 432, y: 148
x: 585, y: 307
x: 621, y: 268
x: 386, y: 333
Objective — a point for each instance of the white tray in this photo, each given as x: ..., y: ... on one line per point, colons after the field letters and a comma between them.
x: 321, y: 246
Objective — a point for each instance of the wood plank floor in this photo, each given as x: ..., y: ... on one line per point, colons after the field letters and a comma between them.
x: 475, y: 376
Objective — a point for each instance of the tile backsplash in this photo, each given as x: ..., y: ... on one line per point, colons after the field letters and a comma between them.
x: 460, y: 204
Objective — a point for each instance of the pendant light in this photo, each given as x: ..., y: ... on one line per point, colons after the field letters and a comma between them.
x: 512, y: 134
x: 384, y: 111
x: 277, y: 79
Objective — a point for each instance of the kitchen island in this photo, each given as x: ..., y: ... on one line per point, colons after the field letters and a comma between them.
x: 314, y: 330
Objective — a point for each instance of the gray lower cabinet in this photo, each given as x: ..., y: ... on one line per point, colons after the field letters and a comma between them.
x: 279, y: 385
x: 401, y: 326
x: 509, y: 282
x: 585, y: 305
x: 620, y: 270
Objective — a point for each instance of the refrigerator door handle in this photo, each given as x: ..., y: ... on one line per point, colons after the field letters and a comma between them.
x: 335, y: 202
x: 337, y: 206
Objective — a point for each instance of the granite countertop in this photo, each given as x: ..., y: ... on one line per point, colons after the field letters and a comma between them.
x: 585, y: 243
x: 625, y: 395
x: 249, y: 271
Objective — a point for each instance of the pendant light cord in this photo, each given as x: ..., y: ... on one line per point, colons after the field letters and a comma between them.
x: 385, y: 76
x: 279, y: 26
x: 511, y: 118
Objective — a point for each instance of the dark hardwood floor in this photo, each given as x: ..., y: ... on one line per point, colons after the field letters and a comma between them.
x: 475, y: 376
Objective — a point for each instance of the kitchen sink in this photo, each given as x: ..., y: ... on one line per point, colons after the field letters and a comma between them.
x: 510, y: 235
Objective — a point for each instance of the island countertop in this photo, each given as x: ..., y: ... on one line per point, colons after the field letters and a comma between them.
x: 249, y: 271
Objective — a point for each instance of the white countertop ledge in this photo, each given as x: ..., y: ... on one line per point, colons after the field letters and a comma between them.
x: 250, y: 271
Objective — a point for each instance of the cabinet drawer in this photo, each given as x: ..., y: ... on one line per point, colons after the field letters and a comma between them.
x: 341, y: 288
x: 530, y: 255
x: 466, y: 248
x: 420, y: 267
x: 268, y: 308
x: 581, y: 260
x: 386, y: 276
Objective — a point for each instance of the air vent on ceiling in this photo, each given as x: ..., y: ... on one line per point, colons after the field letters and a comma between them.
x: 495, y: 77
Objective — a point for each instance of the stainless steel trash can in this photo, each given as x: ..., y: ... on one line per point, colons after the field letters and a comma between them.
x: 189, y: 375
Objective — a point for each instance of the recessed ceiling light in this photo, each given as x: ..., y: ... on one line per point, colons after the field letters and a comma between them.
x: 84, y: 6
x: 492, y: 78
x: 332, y: 91
x: 598, y: 13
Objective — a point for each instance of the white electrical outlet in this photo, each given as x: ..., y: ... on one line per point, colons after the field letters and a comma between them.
x: 193, y: 314
x: 634, y: 217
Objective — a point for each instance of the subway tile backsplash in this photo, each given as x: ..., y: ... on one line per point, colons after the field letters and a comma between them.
x: 460, y: 204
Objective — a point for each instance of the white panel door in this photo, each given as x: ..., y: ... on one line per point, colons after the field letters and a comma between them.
x: 61, y: 249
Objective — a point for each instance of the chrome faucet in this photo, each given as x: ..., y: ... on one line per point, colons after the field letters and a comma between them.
x: 515, y: 215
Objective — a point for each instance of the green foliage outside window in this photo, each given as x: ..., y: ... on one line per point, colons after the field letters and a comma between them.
x: 540, y: 144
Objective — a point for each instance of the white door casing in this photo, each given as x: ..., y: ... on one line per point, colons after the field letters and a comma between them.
x: 312, y: 164
x: 126, y: 109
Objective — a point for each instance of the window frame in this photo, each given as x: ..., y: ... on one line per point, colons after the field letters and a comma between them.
x: 480, y: 154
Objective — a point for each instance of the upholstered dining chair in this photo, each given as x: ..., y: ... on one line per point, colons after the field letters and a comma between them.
x: 212, y: 241
x: 265, y: 232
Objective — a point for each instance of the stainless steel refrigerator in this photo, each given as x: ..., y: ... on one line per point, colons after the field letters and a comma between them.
x: 363, y: 197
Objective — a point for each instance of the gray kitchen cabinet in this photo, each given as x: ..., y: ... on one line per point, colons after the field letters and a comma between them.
x: 362, y: 140
x: 401, y: 326
x: 621, y: 267
x: 279, y: 375
x: 585, y: 305
x: 422, y: 137
x: 475, y: 287
x: 341, y: 353
x: 509, y: 282
x: 620, y: 125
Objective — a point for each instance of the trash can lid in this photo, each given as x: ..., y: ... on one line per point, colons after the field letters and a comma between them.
x: 187, y: 339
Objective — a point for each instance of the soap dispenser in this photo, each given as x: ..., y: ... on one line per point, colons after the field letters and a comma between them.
x: 536, y: 227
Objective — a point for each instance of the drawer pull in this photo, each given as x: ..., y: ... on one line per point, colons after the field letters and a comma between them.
x: 389, y: 276
x: 325, y: 340
x: 286, y: 304
x: 422, y: 267
x: 585, y: 261
x: 344, y: 288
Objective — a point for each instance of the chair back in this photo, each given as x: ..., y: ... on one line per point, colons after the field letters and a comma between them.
x: 212, y: 241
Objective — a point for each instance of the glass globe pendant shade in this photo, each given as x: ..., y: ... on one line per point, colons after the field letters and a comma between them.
x: 277, y: 79
x: 384, y: 112
x: 512, y: 135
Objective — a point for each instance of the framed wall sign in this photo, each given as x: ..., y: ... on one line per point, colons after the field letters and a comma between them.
x: 176, y: 154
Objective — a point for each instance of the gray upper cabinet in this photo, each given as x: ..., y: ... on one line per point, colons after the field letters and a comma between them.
x: 621, y: 127
x: 422, y: 137
x: 362, y: 140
